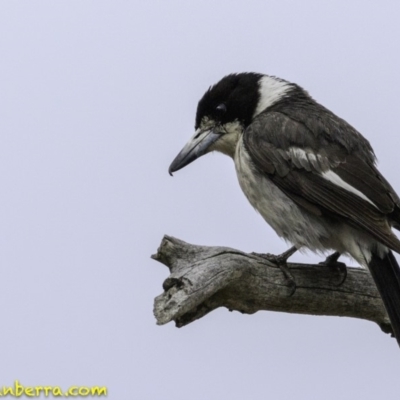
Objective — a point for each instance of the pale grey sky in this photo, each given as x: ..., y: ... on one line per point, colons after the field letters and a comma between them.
x: 97, y: 97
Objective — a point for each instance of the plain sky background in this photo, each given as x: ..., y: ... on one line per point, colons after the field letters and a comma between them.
x: 96, y: 99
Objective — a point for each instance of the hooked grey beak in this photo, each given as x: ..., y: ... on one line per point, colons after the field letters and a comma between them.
x: 196, y: 147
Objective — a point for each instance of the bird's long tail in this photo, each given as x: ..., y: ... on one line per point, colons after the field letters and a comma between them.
x: 386, y: 274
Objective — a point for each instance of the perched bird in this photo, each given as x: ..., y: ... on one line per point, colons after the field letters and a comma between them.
x: 310, y: 174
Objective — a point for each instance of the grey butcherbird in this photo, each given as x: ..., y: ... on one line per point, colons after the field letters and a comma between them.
x: 309, y: 173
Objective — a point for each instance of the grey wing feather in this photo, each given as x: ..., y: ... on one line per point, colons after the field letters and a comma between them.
x: 295, y: 159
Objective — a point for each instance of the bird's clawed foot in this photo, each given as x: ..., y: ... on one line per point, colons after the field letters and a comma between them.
x: 281, y: 261
x: 337, y: 267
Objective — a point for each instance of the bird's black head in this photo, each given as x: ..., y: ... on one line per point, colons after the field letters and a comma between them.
x: 226, y: 110
x: 233, y: 98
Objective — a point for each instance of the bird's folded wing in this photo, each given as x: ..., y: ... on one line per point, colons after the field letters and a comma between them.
x: 321, y: 175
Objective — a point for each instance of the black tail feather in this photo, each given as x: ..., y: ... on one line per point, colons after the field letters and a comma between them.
x: 386, y: 274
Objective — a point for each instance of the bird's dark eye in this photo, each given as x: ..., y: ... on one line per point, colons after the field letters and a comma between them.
x: 221, y: 108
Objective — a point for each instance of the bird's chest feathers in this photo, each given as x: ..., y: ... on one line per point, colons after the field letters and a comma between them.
x: 274, y: 206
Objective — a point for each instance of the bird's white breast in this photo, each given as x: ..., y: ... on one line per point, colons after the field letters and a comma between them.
x: 278, y: 210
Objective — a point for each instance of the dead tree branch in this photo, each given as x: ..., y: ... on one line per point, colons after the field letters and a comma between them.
x: 204, y: 278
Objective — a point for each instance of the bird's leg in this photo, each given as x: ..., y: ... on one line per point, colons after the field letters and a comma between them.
x: 280, y: 258
x: 339, y: 267
x: 281, y: 261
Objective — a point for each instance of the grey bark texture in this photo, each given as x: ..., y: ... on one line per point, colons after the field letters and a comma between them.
x: 203, y: 278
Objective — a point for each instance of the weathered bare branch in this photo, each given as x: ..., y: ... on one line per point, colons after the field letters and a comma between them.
x: 204, y: 278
